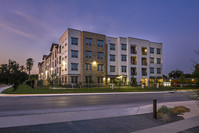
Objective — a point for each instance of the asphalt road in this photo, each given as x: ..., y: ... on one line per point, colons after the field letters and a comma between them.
x: 12, y: 105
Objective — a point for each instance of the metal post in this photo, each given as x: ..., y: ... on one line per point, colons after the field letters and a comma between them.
x: 154, y: 108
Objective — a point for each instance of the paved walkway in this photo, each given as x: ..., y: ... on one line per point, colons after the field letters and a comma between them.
x: 173, y: 127
x: 4, y: 87
x: 88, y: 114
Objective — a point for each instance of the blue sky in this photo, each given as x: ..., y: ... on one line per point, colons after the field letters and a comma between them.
x: 28, y: 27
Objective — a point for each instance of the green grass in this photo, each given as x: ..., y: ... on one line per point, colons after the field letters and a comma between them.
x: 25, y: 89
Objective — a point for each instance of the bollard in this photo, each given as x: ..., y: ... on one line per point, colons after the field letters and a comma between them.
x: 154, y: 108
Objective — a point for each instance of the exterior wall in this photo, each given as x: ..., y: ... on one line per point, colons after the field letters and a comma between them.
x: 94, y: 73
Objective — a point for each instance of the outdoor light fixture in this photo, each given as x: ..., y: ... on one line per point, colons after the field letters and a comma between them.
x: 94, y: 63
x: 41, y: 73
x: 108, y: 79
x: 64, y: 63
x: 51, y: 69
x: 46, y: 72
x: 104, y: 78
x: 192, y: 79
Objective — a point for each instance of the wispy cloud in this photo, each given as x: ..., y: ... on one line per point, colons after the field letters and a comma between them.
x: 24, y: 34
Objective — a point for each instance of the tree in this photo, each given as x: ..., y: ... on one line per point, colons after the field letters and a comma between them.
x: 133, y: 81
x: 12, y: 74
x: 182, y: 79
x: 196, y: 71
x: 175, y: 74
x: 29, y: 65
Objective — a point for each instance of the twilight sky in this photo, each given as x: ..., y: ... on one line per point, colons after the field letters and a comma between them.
x: 28, y: 27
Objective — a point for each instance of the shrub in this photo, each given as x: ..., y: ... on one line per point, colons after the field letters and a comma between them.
x: 180, y: 110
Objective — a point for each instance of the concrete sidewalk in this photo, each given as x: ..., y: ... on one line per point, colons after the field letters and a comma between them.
x: 85, y: 94
x: 4, y: 88
x: 88, y: 114
x: 173, y: 127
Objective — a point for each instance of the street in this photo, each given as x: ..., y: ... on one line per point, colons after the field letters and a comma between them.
x: 30, y: 105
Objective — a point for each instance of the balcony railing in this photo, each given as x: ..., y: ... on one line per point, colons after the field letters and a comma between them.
x: 133, y: 62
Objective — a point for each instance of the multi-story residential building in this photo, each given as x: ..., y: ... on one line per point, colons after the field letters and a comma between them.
x: 88, y: 58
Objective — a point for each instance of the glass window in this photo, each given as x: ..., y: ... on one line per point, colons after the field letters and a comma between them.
x: 112, y: 57
x: 74, y: 41
x: 158, y: 51
x: 158, y: 70
x: 123, y: 58
x: 88, y: 79
x: 100, y: 67
x: 99, y: 80
x: 99, y: 55
x: 151, y: 69
x: 74, y: 53
x: 66, y: 41
x: 151, y: 50
x: 88, y: 66
x: 88, y: 41
x: 88, y: 54
x: 74, y: 79
x: 123, y: 46
x: 74, y: 66
x: 100, y: 43
x: 112, y: 68
x: 152, y: 60
x: 123, y: 68
x: 158, y: 60
x: 112, y: 46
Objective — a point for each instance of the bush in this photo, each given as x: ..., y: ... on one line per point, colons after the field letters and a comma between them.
x: 180, y: 110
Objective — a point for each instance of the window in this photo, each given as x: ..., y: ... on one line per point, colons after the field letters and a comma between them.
x: 65, y: 79
x: 123, y: 68
x: 74, y: 53
x: 151, y: 69
x: 74, y: 66
x: 112, y: 57
x: 158, y: 70
x: 88, y: 41
x: 66, y: 41
x: 99, y: 80
x: 63, y: 44
x: 74, y: 79
x: 59, y: 59
x: 152, y: 60
x: 99, y: 55
x: 158, y: 51
x: 144, y: 72
x: 123, y: 46
x: 133, y: 71
x: 123, y: 57
x: 88, y: 79
x: 144, y: 51
x: 151, y: 50
x: 100, y: 43
x: 100, y: 67
x: 144, y: 61
x: 112, y: 46
x: 158, y: 60
x: 74, y: 41
x: 88, y: 66
x: 88, y: 54
x: 133, y: 60
x: 133, y: 50
x: 112, y: 68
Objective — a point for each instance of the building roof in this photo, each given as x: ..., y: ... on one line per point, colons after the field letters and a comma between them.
x: 53, y: 45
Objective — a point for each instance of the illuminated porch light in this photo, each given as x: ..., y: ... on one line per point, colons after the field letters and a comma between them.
x: 108, y: 79
x: 104, y: 78
x: 94, y: 63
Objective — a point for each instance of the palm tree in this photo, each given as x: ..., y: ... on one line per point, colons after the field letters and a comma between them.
x: 29, y: 65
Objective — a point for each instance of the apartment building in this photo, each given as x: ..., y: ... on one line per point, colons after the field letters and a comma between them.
x: 92, y: 58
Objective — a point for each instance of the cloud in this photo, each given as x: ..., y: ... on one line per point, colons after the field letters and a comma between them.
x: 24, y: 34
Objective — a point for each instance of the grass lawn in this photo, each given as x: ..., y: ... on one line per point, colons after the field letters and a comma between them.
x: 25, y: 89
